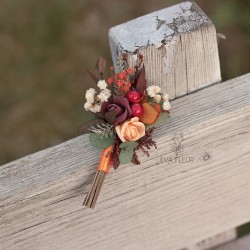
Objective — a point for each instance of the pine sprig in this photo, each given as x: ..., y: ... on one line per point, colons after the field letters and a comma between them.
x: 104, y: 130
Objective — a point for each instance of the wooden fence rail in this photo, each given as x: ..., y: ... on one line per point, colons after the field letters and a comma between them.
x: 161, y: 204
x: 187, y: 194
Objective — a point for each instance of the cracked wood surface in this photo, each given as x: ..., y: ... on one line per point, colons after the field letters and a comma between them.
x: 140, y: 207
x: 179, y: 46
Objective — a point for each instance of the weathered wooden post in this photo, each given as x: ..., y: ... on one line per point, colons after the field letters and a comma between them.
x: 180, y: 49
x: 179, y: 46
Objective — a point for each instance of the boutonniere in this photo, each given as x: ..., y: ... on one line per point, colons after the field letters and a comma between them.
x: 126, y: 111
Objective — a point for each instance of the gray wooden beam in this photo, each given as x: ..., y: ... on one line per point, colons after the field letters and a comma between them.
x: 160, y: 204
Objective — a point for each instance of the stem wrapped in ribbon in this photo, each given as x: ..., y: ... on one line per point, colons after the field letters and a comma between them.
x: 102, y: 170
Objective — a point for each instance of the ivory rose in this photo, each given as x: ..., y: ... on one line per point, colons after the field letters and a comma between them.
x: 130, y: 130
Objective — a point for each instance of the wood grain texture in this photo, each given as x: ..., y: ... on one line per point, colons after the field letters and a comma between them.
x: 240, y: 244
x: 179, y: 46
x: 140, y: 207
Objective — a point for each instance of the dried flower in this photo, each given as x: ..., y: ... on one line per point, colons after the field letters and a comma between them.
x: 157, y: 98
x: 116, y: 152
x: 87, y: 106
x: 129, y: 71
x: 95, y: 108
x: 102, y: 97
x: 90, y: 93
x: 166, y: 105
x: 145, y: 144
x: 153, y: 90
x: 165, y: 97
x: 102, y: 84
x: 107, y: 92
x: 121, y: 81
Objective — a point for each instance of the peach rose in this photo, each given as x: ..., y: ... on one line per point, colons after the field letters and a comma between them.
x: 130, y: 130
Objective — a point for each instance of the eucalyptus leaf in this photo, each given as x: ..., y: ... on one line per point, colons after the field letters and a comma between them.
x: 129, y: 144
x: 161, y: 120
x: 126, y: 156
x: 127, y: 151
x: 99, y: 142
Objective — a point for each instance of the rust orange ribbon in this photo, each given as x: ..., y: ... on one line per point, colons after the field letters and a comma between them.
x: 106, y: 159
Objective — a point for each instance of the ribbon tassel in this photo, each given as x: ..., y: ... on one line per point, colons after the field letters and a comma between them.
x: 103, y: 169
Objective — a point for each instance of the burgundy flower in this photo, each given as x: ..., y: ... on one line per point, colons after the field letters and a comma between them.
x: 119, y: 106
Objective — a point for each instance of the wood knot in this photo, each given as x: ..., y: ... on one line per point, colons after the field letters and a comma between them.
x: 206, y: 156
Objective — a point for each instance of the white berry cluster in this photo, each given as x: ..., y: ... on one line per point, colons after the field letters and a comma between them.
x: 155, y: 92
x: 94, y: 100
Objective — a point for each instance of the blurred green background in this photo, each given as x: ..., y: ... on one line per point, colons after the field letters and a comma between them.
x: 45, y: 47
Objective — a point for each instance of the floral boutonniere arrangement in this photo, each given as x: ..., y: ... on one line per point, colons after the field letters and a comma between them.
x: 126, y: 110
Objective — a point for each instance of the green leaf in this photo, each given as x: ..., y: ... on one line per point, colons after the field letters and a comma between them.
x: 110, y: 117
x: 126, y: 156
x: 84, y: 128
x: 129, y: 144
x: 161, y: 120
x: 127, y: 151
x: 99, y: 142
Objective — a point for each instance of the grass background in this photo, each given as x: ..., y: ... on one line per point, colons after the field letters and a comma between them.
x: 45, y: 47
